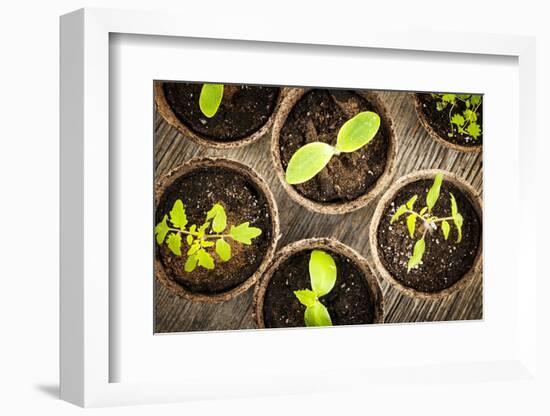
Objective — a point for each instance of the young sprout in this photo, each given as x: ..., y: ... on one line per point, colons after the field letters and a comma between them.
x: 210, y: 99
x: 465, y: 122
x: 428, y: 221
x: 322, y: 273
x: 310, y: 159
x: 173, y: 228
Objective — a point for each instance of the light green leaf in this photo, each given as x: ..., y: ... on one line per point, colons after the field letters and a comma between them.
x: 400, y: 211
x: 470, y: 115
x: 194, y: 248
x: 457, y: 218
x: 418, y: 252
x: 306, y: 297
x: 410, y: 202
x: 445, y: 227
x: 357, y: 131
x: 440, y: 105
x: 475, y: 99
x: 458, y: 120
x: 217, y: 213
x: 223, y: 249
x: 177, y: 215
x: 210, y: 99
x: 189, y: 239
x: 243, y: 233
x: 411, y: 223
x: 433, y: 193
x: 202, y: 229
x: 205, y: 259
x: 449, y: 98
x: 190, y: 263
x: 174, y: 243
x: 308, y: 161
x: 317, y: 315
x: 474, y: 130
x: 207, y: 244
x: 322, y: 272
x: 161, y: 229
x: 423, y: 210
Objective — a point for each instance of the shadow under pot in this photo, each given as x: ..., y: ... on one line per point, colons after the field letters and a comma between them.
x: 353, y: 298
x: 428, y: 243
x: 452, y: 122
x: 350, y: 179
x: 244, y: 115
x: 217, y: 227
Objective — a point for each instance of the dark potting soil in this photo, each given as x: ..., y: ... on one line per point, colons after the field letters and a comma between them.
x: 444, y: 261
x: 318, y: 116
x: 348, y: 303
x: 244, y: 109
x: 440, y: 121
x: 199, y: 190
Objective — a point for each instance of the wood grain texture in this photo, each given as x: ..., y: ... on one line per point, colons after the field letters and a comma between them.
x: 416, y: 150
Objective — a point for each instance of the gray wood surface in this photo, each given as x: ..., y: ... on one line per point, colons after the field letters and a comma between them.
x: 416, y: 150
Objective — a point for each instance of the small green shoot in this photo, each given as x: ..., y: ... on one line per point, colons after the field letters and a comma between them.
x: 322, y: 274
x: 311, y: 158
x: 466, y: 122
x: 428, y: 221
x: 210, y: 99
x: 173, y: 228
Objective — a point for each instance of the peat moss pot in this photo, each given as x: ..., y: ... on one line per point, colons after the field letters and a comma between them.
x: 350, y: 180
x: 449, y: 259
x: 439, y: 125
x: 355, y: 298
x: 244, y: 115
x: 205, y: 187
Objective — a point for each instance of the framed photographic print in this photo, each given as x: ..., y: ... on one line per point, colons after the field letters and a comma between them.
x: 237, y: 209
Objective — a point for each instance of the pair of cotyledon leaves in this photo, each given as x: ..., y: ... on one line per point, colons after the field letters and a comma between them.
x: 322, y: 274
x: 311, y: 159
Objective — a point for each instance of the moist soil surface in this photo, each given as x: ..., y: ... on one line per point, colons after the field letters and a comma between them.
x: 318, y: 116
x: 440, y: 121
x: 348, y: 303
x: 444, y: 261
x: 243, y: 201
x: 244, y: 109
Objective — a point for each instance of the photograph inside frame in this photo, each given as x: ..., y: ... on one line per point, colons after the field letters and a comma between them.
x: 280, y: 207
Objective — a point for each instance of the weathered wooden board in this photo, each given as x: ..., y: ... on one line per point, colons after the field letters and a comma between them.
x: 416, y: 150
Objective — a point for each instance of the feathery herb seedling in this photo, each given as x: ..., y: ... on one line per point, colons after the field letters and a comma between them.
x: 172, y: 229
x: 322, y: 273
x: 311, y: 158
x: 465, y: 122
x: 428, y: 220
x: 210, y: 99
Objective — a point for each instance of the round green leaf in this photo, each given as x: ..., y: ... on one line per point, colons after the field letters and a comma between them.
x: 317, y: 315
x: 306, y: 297
x: 223, y: 249
x: 357, y: 131
x: 322, y: 272
x: 418, y: 252
x: 308, y: 161
x: 210, y: 99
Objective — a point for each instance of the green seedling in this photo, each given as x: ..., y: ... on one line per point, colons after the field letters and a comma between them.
x: 322, y: 273
x: 210, y: 99
x: 175, y: 227
x: 428, y: 221
x: 465, y: 122
x: 311, y: 159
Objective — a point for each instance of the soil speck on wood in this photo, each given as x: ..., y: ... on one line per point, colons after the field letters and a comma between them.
x: 348, y: 303
x: 199, y: 190
x: 444, y: 261
x: 244, y: 109
x: 318, y: 116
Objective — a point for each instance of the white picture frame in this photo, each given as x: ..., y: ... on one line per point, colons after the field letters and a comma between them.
x: 87, y: 356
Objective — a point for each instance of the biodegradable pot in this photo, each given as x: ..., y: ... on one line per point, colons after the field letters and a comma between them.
x: 439, y: 137
x: 363, y: 183
x: 435, y: 278
x: 168, y: 113
x: 356, y: 296
x: 200, y: 183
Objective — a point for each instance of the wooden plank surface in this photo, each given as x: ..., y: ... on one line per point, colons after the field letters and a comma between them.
x: 416, y: 150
